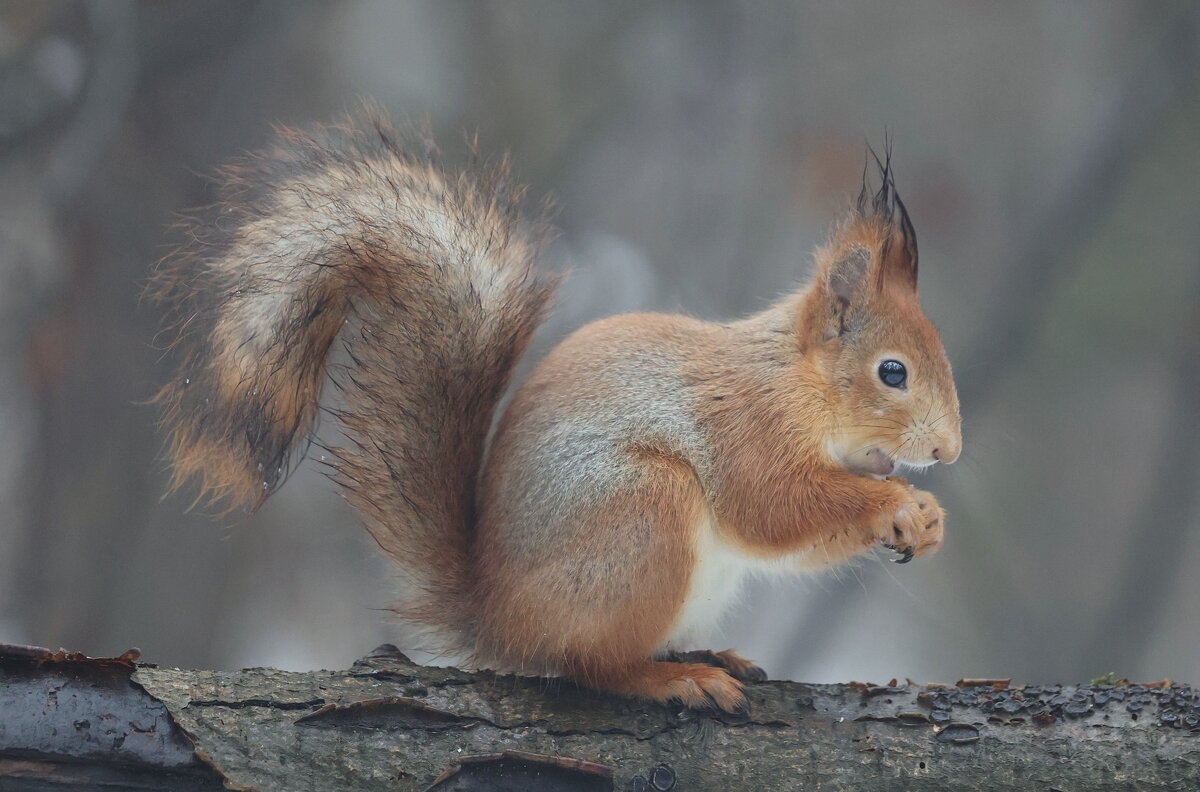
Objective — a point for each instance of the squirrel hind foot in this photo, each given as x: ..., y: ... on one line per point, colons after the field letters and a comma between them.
x: 698, y: 686
x: 740, y: 668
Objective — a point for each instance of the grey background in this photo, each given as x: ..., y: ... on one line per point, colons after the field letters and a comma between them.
x: 698, y: 152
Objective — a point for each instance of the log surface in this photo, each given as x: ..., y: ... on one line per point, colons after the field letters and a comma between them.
x: 67, y: 722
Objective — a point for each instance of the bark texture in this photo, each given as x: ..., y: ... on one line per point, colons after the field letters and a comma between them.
x: 70, y: 722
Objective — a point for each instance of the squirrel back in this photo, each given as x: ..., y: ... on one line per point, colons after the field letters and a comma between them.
x: 428, y: 279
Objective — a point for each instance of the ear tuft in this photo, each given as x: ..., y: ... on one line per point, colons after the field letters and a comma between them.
x: 898, y: 251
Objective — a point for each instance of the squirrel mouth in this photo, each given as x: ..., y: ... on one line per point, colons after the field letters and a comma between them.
x: 874, y: 462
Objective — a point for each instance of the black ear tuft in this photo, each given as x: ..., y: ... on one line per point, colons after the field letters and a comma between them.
x: 898, y: 256
x: 908, y: 241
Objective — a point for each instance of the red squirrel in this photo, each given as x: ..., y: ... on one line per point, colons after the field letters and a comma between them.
x: 645, y: 467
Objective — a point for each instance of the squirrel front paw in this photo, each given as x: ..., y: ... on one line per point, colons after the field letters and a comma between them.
x: 915, y: 527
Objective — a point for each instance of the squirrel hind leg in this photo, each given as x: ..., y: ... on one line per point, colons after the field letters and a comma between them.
x: 697, y: 686
x: 740, y: 668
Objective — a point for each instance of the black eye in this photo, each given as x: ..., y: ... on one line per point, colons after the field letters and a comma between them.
x: 893, y: 373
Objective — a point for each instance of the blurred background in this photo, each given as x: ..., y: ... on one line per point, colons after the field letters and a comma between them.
x: 1048, y: 153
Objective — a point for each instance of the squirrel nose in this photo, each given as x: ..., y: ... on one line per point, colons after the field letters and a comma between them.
x: 946, y: 457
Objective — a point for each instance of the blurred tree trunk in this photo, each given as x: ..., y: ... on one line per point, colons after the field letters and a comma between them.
x: 71, y: 722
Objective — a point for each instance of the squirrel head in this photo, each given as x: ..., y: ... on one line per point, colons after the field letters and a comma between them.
x: 880, y: 359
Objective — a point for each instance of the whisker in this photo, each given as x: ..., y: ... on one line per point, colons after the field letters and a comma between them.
x: 896, y: 453
x: 889, y: 570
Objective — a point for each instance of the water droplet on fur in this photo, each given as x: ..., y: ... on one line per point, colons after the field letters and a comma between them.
x: 266, y: 485
x: 187, y: 380
x: 255, y: 391
x: 260, y: 466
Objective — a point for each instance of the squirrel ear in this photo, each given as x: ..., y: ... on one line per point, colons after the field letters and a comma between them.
x: 845, y: 282
x: 898, y: 255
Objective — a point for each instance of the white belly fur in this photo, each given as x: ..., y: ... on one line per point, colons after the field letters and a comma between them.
x: 717, y: 580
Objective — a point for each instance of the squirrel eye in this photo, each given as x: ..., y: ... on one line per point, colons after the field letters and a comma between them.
x: 893, y: 373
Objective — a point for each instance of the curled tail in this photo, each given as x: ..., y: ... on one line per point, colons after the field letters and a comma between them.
x: 429, y: 280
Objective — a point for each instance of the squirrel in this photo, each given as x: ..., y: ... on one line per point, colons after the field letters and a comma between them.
x: 646, y: 466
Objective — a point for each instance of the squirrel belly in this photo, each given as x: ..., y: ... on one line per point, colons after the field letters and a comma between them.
x: 716, y: 585
x: 646, y: 466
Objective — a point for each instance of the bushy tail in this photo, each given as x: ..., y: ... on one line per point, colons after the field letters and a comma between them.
x: 428, y: 278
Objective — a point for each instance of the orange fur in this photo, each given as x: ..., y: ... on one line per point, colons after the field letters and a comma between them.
x: 646, y: 458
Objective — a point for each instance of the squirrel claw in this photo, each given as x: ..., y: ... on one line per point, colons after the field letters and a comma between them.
x: 906, y: 554
x: 742, y: 710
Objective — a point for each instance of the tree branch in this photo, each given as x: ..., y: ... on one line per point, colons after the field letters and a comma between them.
x: 70, y: 722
